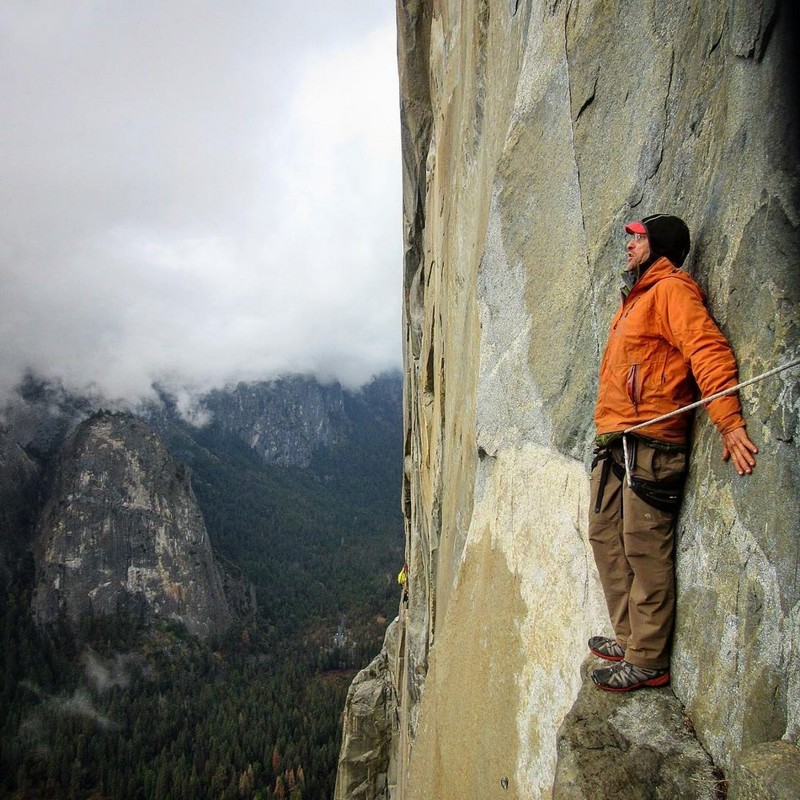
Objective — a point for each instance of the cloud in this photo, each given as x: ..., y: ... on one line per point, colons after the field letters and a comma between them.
x: 103, y: 675
x: 198, y: 192
x: 80, y: 705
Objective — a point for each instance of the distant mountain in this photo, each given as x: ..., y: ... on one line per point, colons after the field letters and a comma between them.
x: 297, y: 483
x: 121, y: 532
x: 284, y: 421
x: 288, y: 420
x: 279, y: 514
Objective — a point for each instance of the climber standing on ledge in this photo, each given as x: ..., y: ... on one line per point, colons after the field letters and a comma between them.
x: 661, y: 346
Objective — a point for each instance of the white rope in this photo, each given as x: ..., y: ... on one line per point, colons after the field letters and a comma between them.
x: 701, y: 402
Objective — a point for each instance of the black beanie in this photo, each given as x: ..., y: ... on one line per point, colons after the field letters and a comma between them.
x: 668, y: 236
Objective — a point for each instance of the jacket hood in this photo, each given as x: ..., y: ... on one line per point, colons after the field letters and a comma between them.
x: 668, y: 237
x: 664, y: 268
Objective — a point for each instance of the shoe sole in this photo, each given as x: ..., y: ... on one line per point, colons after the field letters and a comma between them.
x: 605, y: 656
x: 661, y: 680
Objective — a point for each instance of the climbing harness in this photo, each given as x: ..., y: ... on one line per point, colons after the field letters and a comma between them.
x: 664, y: 494
x: 703, y: 401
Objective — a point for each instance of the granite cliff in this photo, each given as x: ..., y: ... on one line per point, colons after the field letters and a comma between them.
x: 284, y: 420
x: 102, y: 501
x: 121, y: 531
x: 532, y: 131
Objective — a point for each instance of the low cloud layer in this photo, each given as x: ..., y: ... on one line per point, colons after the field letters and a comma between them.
x: 198, y: 192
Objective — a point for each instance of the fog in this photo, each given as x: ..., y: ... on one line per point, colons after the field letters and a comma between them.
x: 198, y: 192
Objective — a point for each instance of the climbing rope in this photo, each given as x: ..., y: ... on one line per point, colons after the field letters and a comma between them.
x: 703, y: 401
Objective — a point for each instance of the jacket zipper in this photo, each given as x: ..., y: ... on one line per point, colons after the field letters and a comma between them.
x: 633, y: 386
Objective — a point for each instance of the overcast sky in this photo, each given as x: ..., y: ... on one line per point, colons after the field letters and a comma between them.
x: 198, y: 191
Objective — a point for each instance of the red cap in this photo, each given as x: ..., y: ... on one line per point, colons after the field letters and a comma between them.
x: 636, y: 227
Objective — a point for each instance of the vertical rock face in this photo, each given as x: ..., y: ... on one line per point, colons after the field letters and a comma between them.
x: 285, y: 420
x: 367, y: 769
x: 121, y: 531
x: 532, y: 131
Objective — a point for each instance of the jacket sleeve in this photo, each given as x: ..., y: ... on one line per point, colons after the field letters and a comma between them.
x: 685, y: 323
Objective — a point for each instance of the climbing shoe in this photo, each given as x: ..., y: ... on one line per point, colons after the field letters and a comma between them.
x: 606, y: 648
x: 625, y: 677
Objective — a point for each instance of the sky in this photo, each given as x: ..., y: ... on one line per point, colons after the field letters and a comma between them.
x: 195, y: 192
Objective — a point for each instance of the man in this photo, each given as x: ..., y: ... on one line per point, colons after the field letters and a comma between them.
x: 662, y: 345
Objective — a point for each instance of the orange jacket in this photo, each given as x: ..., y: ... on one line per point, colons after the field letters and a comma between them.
x: 663, y: 340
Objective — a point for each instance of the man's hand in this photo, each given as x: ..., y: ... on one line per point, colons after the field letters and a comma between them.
x: 737, y: 444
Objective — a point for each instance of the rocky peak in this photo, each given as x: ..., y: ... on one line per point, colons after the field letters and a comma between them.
x: 121, y: 531
x: 287, y: 420
x: 284, y: 420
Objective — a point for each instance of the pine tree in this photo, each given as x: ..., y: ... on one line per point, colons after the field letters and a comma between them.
x: 276, y: 760
x: 246, y: 781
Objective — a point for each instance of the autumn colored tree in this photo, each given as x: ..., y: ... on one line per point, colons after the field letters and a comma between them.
x: 246, y: 782
x: 276, y: 760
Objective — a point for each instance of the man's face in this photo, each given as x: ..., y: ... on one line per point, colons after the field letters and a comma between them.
x: 638, y: 250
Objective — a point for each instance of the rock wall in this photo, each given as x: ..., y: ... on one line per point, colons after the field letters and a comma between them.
x: 284, y: 420
x: 289, y: 419
x: 532, y: 131
x: 367, y: 766
x: 121, y: 531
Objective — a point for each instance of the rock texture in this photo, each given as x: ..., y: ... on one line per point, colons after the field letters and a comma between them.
x: 284, y: 421
x: 287, y: 420
x: 637, y: 746
x: 366, y: 763
x: 531, y: 132
x: 31, y: 430
x: 121, y: 531
x: 768, y: 771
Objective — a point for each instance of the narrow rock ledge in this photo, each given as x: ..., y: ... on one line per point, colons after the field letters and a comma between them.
x: 636, y: 745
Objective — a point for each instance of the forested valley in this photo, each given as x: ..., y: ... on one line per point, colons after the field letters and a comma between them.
x: 124, y: 708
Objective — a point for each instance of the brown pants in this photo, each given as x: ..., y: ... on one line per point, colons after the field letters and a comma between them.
x: 634, y: 551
